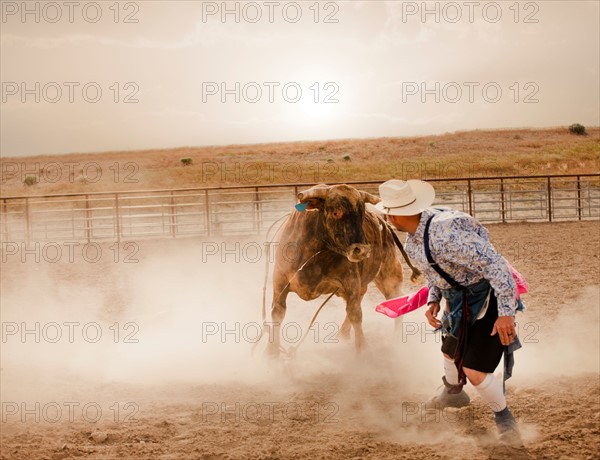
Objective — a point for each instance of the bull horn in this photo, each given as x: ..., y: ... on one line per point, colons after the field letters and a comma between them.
x: 318, y: 191
x: 369, y: 198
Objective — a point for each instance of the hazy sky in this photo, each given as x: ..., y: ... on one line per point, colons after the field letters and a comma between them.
x: 381, y: 65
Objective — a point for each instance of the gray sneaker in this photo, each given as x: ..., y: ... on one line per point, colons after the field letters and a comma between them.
x: 507, y: 428
x: 450, y: 396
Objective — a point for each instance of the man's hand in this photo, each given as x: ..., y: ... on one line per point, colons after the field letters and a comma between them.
x: 431, y: 314
x: 505, y: 327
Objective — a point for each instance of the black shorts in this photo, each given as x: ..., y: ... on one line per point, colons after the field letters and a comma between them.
x: 483, y: 352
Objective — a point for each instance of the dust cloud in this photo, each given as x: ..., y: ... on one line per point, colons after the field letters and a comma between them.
x: 563, y: 345
x: 182, y: 316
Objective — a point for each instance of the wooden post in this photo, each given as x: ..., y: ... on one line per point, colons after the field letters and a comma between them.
x: 207, y: 212
x: 257, y: 210
x: 470, y: 197
x: 27, y: 221
x: 4, y: 222
x: 173, y: 215
x: 502, y: 203
x: 88, y: 220
x: 549, y: 190
x: 117, y: 218
x: 579, y: 197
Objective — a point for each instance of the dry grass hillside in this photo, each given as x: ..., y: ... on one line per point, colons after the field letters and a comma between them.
x: 461, y: 154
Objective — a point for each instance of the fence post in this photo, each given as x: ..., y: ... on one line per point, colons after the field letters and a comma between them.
x: 549, y: 190
x: 502, y: 203
x: 27, y: 221
x: 4, y: 235
x: 258, y: 209
x: 579, y: 197
x: 117, y: 218
x: 72, y: 224
x: 253, y: 208
x: 173, y: 215
x: 470, y: 197
x: 87, y: 221
x: 207, y: 212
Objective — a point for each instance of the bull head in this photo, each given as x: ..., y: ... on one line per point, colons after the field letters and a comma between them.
x: 342, y: 210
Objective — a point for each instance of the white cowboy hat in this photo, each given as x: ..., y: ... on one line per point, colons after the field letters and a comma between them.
x: 404, y: 198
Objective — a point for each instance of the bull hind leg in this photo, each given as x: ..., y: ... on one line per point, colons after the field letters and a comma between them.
x: 345, y: 329
x: 389, y: 282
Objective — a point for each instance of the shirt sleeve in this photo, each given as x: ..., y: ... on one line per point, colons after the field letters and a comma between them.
x: 468, y: 248
x: 435, y: 294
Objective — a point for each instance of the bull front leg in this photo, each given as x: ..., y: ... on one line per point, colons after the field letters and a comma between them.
x: 280, y: 292
x: 354, y: 316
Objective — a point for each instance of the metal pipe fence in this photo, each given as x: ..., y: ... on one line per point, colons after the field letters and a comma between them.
x: 250, y: 210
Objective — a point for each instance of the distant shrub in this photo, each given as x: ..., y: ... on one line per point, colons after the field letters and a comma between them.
x: 346, y: 158
x: 432, y: 144
x: 30, y: 180
x: 186, y: 161
x: 578, y: 129
x: 517, y: 137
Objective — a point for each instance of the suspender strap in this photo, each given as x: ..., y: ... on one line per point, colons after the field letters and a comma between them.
x: 433, y: 263
x: 464, y: 320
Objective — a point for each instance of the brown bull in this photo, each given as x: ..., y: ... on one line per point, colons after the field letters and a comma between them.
x: 340, y: 246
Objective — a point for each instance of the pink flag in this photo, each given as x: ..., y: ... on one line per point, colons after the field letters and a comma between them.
x: 522, y: 286
x: 402, y: 305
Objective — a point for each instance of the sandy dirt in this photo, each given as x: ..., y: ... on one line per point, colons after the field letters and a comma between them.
x: 173, y: 376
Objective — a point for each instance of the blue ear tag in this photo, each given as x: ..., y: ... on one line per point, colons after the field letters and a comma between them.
x: 301, y: 206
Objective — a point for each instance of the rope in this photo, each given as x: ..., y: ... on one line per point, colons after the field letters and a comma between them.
x: 292, y: 351
x: 415, y: 271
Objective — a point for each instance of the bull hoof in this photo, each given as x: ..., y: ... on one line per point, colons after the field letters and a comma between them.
x: 272, y: 353
x: 344, y: 335
x: 362, y: 348
x: 344, y: 332
x: 364, y: 356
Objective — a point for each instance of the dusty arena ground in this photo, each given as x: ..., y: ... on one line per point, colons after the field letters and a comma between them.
x: 147, y: 353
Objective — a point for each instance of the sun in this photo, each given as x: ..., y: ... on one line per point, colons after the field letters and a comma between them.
x: 316, y: 109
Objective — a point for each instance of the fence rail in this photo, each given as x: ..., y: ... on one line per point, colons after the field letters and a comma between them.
x: 250, y: 210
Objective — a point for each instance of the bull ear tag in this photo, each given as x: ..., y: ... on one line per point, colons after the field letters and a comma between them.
x: 301, y: 206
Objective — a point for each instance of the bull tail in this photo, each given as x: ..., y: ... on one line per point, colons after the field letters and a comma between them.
x: 416, y: 273
x: 268, y: 244
x: 267, y: 260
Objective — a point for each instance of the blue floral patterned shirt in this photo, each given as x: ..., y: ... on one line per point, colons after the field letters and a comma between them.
x: 461, y: 247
